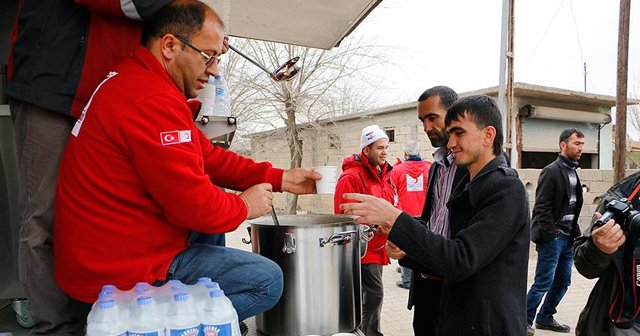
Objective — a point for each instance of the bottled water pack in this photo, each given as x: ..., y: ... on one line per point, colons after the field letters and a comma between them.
x: 215, y: 98
x: 174, y: 309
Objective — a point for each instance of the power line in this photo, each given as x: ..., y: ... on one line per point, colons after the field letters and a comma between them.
x: 541, y: 38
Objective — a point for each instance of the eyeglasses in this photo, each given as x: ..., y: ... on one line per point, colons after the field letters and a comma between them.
x: 209, y: 60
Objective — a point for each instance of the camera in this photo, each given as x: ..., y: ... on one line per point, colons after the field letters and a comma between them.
x: 622, y: 212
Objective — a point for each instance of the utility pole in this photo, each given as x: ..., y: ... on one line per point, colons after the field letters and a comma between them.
x: 505, y: 86
x: 585, y: 76
x: 619, y: 159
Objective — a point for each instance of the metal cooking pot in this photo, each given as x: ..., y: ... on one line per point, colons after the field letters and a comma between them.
x: 320, y: 258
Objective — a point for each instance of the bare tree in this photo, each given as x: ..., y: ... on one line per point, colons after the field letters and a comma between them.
x: 330, y: 83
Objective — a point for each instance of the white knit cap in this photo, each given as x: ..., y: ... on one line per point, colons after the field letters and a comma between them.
x: 371, y: 134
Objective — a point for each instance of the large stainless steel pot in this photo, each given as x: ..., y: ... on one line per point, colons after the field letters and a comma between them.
x: 320, y: 258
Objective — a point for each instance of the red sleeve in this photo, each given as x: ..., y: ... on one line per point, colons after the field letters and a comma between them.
x: 230, y: 170
x: 174, y: 174
x: 131, y: 9
x: 346, y: 184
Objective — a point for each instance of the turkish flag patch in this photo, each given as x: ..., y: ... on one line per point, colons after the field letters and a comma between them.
x: 175, y: 137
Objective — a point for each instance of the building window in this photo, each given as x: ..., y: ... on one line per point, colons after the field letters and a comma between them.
x: 334, y: 141
x: 391, y: 133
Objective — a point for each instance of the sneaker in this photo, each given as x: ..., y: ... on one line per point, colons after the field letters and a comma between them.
x: 530, y: 330
x: 244, y: 330
x: 553, y: 325
x: 401, y: 285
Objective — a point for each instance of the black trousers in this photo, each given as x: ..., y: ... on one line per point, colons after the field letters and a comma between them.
x: 372, y: 294
x: 426, y: 310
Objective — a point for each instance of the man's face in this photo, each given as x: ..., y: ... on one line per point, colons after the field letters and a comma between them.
x: 467, y: 141
x: 431, y: 113
x: 572, y: 148
x: 377, y: 152
x: 188, y: 71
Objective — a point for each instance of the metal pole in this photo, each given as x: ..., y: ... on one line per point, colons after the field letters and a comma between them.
x: 513, y: 114
x: 621, y: 92
x: 503, y: 68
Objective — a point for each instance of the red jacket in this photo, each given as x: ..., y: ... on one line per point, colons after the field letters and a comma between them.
x: 61, y: 50
x: 411, y: 178
x: 358, y: 176
x: 136, y: 177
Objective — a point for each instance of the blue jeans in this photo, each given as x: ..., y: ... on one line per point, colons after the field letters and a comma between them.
x: 553, y: 277
x: 253, y: 283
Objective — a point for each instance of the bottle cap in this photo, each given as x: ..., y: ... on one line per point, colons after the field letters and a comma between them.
x: 144, y: 300
x: 213, y: 286
x: 216, y: 293
x: 106, y: 303
x: 182, y: 296
x: 108, y: 289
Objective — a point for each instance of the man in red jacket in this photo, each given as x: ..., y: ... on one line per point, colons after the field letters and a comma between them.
x: 369, y: 173
x: 410, y: 179
x: 137, y: 177
x: 60, y: 51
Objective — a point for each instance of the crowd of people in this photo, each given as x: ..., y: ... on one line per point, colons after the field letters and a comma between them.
x: 110, y: 198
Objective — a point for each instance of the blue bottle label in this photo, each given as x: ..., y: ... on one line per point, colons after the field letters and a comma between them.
x: 195, y: 331
x: 151, y: 333
x: 217, y: 330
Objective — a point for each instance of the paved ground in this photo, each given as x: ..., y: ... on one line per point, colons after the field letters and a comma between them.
x: 396, y: 319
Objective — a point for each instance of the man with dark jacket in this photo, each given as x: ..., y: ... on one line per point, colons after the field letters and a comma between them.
x: 60, y: 51
x: 605, y: 253
x: 444, y: 175
x: 554, y: 226
x: 484, y: 262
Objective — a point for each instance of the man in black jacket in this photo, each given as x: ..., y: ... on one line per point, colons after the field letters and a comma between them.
x: 484, y: 262
x: 606, y: 252
x: 554, y: 226
x: 444, y: 175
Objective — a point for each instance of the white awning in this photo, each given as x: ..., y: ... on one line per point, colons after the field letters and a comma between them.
x: 311, y: 23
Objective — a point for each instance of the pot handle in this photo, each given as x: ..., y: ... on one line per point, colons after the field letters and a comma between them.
x: 247, y: 241
x: 338, y: 238
x: 366, y: 234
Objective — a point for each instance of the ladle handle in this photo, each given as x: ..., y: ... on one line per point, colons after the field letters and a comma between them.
x: 250, y: 60
x: 274, y: 216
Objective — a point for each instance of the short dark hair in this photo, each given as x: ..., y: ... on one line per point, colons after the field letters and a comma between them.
x: 446, y: 94
x: 184, y: 18
x: 483, y: 111
x: 566, y: 134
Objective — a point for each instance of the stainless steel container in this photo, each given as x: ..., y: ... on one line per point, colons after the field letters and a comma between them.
x: 320, y: 258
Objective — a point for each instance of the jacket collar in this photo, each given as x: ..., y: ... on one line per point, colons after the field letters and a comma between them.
x: 498, y: 161
x: 142, y: 56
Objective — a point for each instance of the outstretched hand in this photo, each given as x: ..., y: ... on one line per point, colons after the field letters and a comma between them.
x: 300, y: 181
x: 371, y: 210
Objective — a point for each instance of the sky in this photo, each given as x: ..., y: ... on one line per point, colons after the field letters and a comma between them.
x: 457, y: 43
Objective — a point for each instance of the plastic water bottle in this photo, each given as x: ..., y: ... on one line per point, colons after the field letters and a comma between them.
x: 221, y: 106
x: 207, y: 97
x: 182, y: 319
x: 218, y: 317
x: 145, y: 318
x: 106, y: 320
x: 201, y: 291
